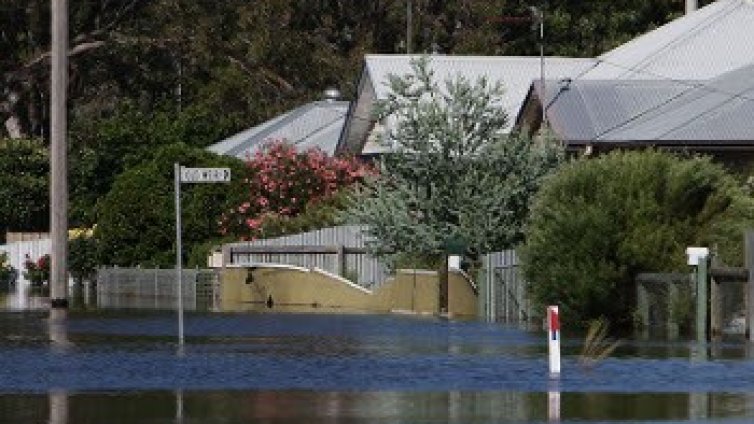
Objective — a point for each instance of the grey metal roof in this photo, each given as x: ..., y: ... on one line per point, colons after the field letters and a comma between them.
x: 701, y: 45
x: 514, y: 73
x: 314, y: 125
x: 718, y: 111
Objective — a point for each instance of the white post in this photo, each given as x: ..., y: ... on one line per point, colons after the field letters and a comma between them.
x: 553, y: 340
x: 178, y: 260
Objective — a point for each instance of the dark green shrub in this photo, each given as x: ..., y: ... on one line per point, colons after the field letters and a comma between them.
x: 599, y: 222
x: 137, y: 220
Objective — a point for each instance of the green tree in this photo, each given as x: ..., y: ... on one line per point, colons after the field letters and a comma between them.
x: 137, y: 223
x: 597, y: 223
x: 24, y: 169
x: 455, y: 173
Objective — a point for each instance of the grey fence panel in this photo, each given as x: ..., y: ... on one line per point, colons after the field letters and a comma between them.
x: 365, y: 269
x: 505, y: 297
x: 155, y: 288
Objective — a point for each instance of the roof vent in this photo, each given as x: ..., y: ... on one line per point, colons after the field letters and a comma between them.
x: 331, y: 94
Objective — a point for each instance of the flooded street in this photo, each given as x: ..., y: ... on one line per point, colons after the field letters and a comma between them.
x: 124, y: 366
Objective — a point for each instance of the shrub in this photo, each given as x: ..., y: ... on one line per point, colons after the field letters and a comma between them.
x: 597, y: 223
x: 38, y: 271
x: 6, y: 269
x: 137, y: 221
x: 283, y: 185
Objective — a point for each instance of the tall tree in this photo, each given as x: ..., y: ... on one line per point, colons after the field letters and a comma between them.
x: 455, y: 175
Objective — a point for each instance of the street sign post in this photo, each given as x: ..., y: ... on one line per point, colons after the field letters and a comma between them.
x: 189, y: 175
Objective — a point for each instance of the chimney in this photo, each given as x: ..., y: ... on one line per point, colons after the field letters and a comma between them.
x: 691, y: 5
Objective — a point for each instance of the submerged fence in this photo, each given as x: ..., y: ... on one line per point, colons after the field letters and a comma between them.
x: 156, y: 288
x: 502, y: 294
x: 340, y: 250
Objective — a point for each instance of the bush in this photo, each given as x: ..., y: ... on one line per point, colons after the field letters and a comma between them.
x: 6, y: 269
x: 597, y: 223
x: 24, y: 189
x: 137, y: 222
x: 37, y: 271
x: 286, y: 184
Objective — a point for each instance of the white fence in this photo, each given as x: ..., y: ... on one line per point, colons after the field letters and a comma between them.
x: 18, y: 251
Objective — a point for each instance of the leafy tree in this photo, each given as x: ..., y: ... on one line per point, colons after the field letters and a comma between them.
x: 24, y: 192
x: 102, y: 149
x: 456, y: 175
x: 597, y: 223
x: 137, y: 223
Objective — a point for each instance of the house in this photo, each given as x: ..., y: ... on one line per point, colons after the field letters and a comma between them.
x: 314, y: 125
x: 687, y: 85
x: 713, y: 116
x: 515, y: 74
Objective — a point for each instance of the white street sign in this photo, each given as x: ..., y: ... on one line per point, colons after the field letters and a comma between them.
x: 205, y: 175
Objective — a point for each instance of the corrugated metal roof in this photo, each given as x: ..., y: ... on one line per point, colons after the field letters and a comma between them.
x: 314, y: 125
x: 666, y: 112
x: 515, y: 73
x: 701, y: 45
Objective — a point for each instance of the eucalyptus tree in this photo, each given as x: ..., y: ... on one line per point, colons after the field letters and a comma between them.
x: 455, y: 176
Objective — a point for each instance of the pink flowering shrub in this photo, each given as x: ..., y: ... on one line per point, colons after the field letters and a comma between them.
x: 283, y: 183
x: 37, y: 272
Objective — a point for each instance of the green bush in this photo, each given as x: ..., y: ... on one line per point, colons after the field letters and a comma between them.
x: 597, y: 223
x: 24, y: 189
x: 137, y: 220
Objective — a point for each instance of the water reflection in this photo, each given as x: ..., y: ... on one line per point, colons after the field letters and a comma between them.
x: 362, y: 407
x: 58, y: 407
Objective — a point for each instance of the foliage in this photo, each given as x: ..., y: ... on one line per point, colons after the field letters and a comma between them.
x: 455, y: 174
x: 103, y: 148
x: 137, y: 222
x: 278, y: 53
x: 597, y: 223
x: 82, y: 258
x: 6, y: 269
x: 37, y: 271
x: 283, y: 184
x: 24, y: 192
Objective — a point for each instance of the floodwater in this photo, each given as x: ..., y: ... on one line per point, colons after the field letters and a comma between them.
x: 125, y: 366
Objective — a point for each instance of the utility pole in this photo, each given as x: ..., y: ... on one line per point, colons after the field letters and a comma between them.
x: 409, y: 24
x: 538, y: 14
x: 58, y: 155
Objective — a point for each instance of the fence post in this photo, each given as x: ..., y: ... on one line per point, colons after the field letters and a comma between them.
x: 482, y: 276
x: 716, y: 301
x: 749, y: 252
x: 642, y: 300
x: 701, y: 300
x: 672, y: 323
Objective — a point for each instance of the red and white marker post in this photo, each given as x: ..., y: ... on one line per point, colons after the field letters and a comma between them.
x: 553, y: 340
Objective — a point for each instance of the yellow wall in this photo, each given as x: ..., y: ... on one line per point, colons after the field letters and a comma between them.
x: 297, y: 290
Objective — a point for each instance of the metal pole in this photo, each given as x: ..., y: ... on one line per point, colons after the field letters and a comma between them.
x: 58, y: 156
x: 178, y: 260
